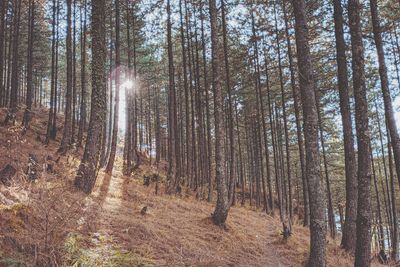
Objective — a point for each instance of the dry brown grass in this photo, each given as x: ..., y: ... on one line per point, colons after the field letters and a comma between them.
x: 36, y: 216
x: 106, y: 228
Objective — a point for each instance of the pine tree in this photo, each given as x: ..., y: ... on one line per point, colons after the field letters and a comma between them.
x: 87, y: 172
x: 307, y: 88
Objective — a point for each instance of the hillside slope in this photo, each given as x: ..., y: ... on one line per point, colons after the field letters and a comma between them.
x: 46, y: 222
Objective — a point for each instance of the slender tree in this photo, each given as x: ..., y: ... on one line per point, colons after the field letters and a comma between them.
x: 222, y: 208
x: 363, y: 237
x: 307, y: 89
x: 172, y: 172
x: 29, y: 79
x: 349, y: 231
x: 67, y: 133
x: 15, y: 62
x: 114, y: 138
x: 387, y: 99
x: 87, y: 172
x: 83, y: 104
x: 296, y: 102
x: 3, y: 12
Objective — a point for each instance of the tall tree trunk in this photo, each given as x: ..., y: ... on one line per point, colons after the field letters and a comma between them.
x: 74, y: 89
x: 57, y: 98
x: 186, y: 90
x: 15, y: 64
x: 260, y: 120
x: 331, y: 214
x: 349, y: 231
x: 105, y: 157
x: 53, y: 107
x: 157, y: 126
x: 3, y: 22
x: 207, y: 102
x: 264, y: 128
x: 114, y: 138
x: 378, y: 204
x: 172, y: 169
x: 387, y: 99
x: 363, y: 237
x: 87, y: 172
x: 395, y: 232
x: 67, y: 133
x: 222, y: 208
x: 82, y: 121
x: 29, y: 80
x: 9, y: 65
x: 128, y: 97
x: 316, y: 192
x: 296, y: 102
x: 385, y: 186
x: 230, y: 103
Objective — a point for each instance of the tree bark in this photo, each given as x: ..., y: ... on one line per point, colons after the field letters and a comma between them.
x: 395, y: 231
x: 15, y: 64
x: 349, y: 232
x: 296, y: 102
x: 387, y: 99
x: 87, y: 172
x: 222, y: 208
x: 3, y: 12
x: 67, y: 133
x: 307, y: 88
x: 363, y: 236
x: 114, y: 138
x: 82, y: 121
x: 29, y: 79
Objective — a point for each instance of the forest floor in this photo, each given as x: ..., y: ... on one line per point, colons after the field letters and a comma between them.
x: 46, y: 222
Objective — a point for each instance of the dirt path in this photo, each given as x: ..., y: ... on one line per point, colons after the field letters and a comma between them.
x: 175, y: 231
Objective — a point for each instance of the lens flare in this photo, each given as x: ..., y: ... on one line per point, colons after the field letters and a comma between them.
x: 127, y: 84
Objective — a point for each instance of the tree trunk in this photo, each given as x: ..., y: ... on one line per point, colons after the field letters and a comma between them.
x: 222, y: 208
x: 208, y: 115
x: 172, y: 169
x: 284, y: 115
x: 266, y: 146
x: 378, y: 206
x: 3, y: 22
x: 67, y: 133
x: 316, y: 192
x: 395, y: 232
x: 87, y: 172
x: 82, y: 121
x: 296, y: 100
x: 114, y: 138
x: 186, y: 91
x: 29, y: 80
x: 53, y: 107
x: 331, y: 214
x: 363, y: 236
x: 387, y: 99
x: 349, y: 231
x: 74, y: 89
x: 15, y: 63
x: 230, y: 103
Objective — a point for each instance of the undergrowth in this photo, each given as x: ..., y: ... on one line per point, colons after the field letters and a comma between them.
x: 11, y: 262
x: 78, y: 255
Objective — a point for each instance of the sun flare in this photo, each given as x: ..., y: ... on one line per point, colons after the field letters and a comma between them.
x: 127, y: 84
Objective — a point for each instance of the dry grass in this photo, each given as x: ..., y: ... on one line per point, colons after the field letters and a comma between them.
x: 35, y: 216
x: 107, y: 228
